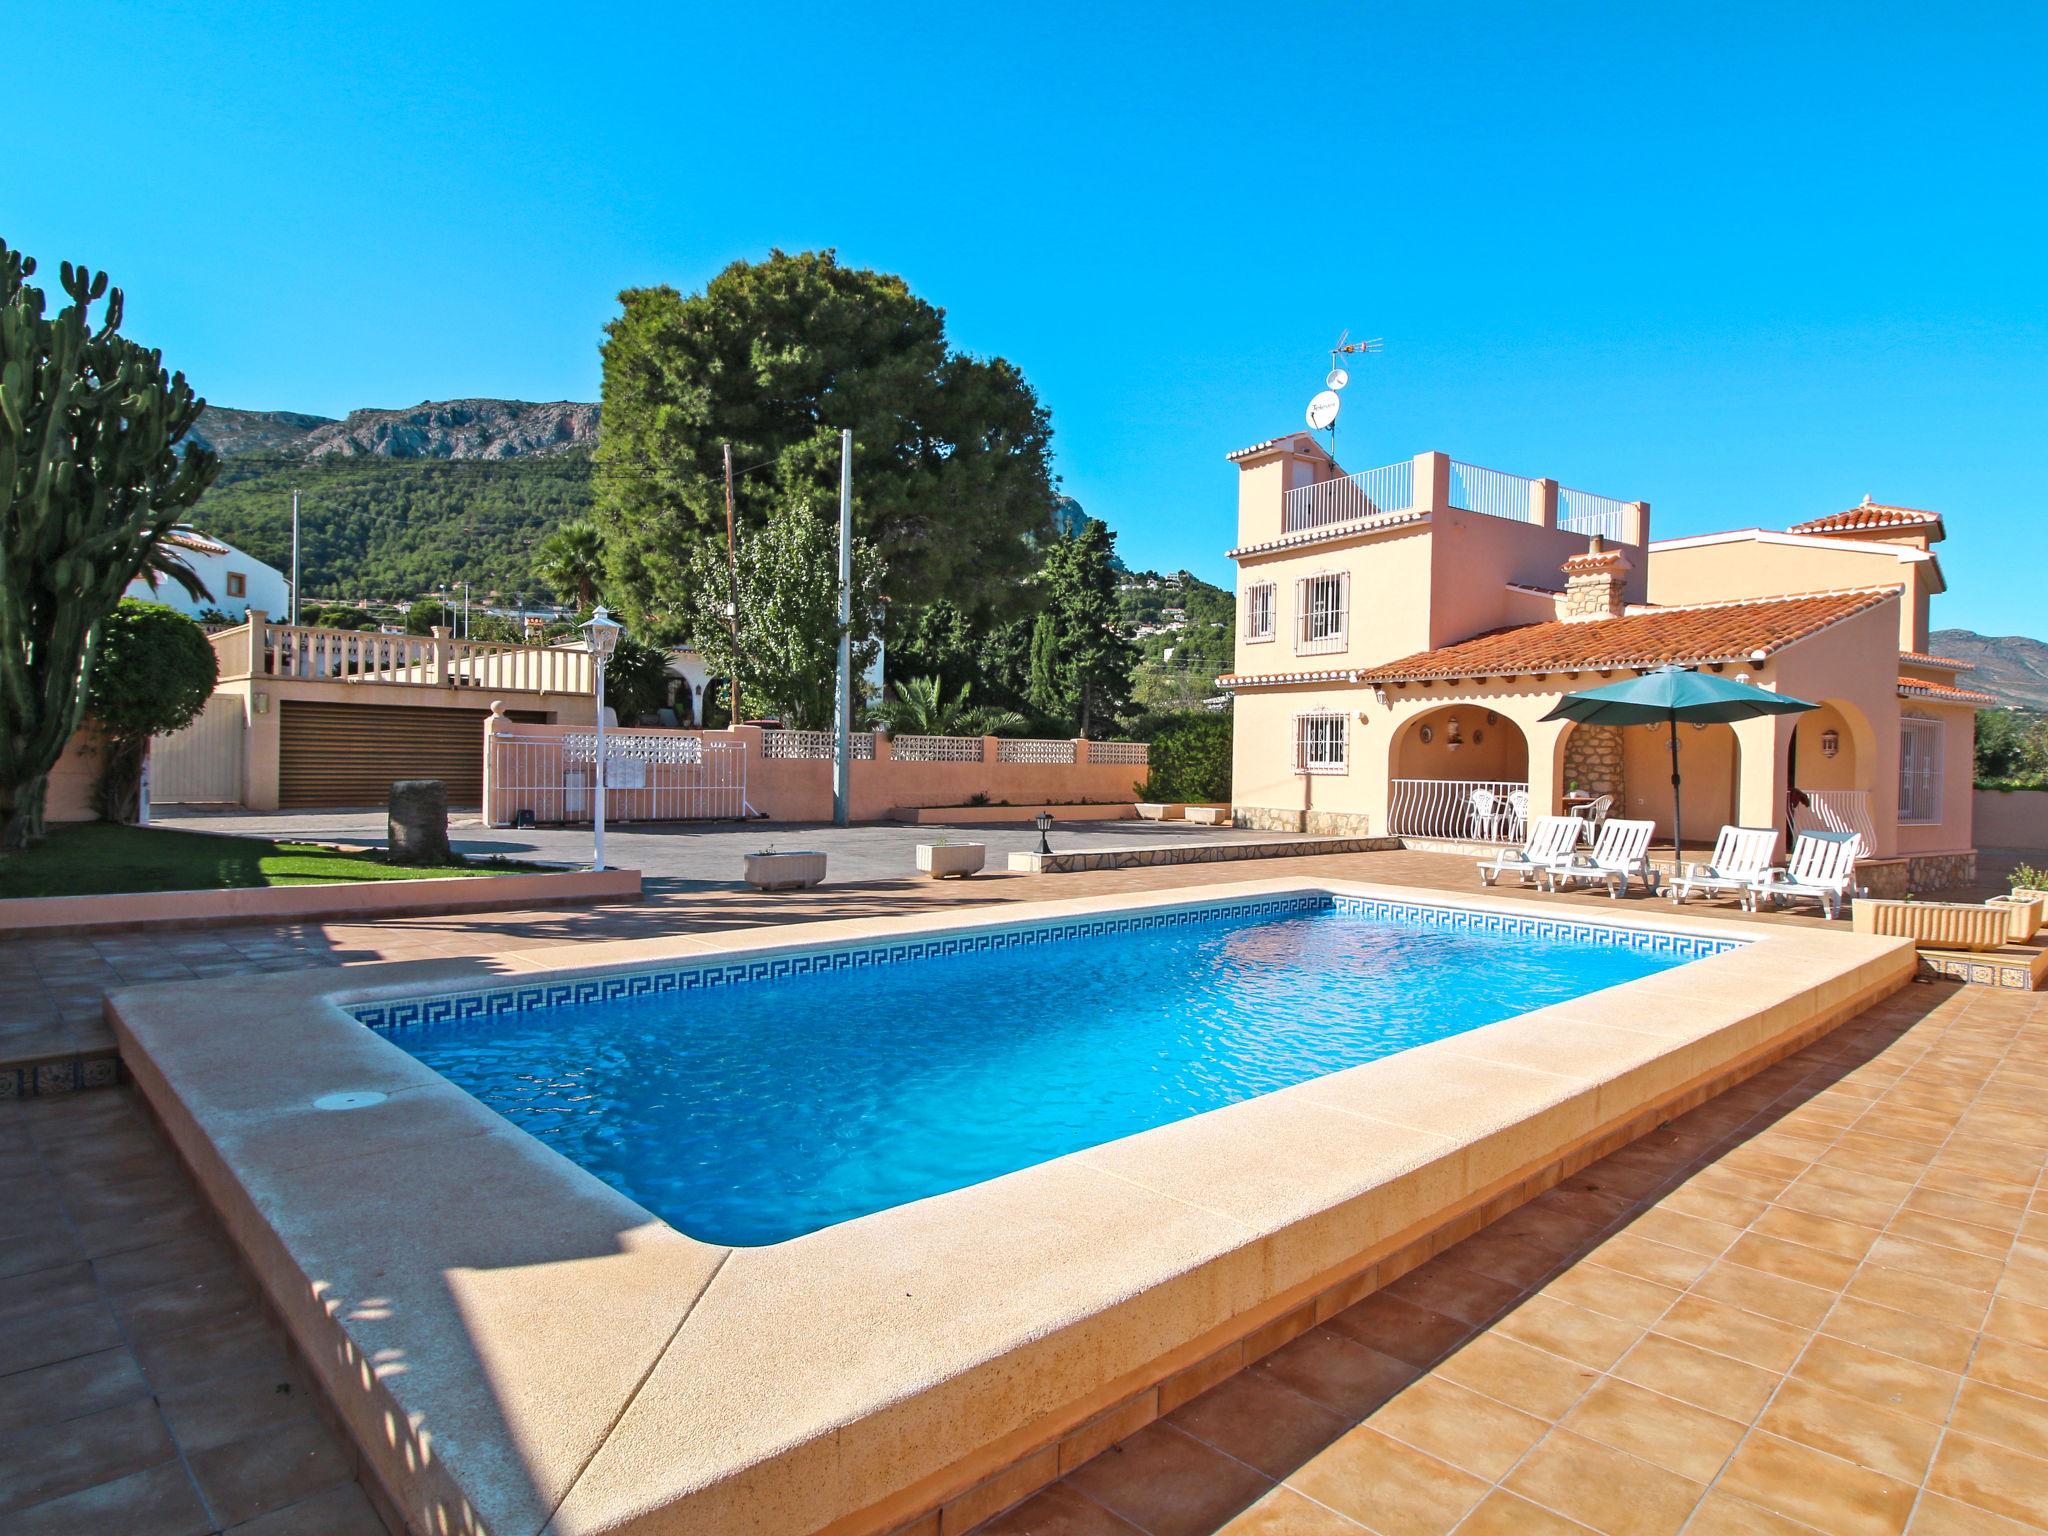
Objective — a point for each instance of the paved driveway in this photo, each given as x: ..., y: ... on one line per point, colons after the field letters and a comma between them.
x: 709, y: 853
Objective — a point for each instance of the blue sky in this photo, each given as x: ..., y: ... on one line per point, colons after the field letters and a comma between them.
x: 1747, y: 263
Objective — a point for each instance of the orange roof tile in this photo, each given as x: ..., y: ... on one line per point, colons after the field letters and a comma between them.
x: 1283, y: 679
x: 192, y: 539
x: 1647, y: 638
x: 1290, y: 439
x: 1943, y: 693
x: 1922, y: 659
x: 1332, y: 532
x: 1870, y: 514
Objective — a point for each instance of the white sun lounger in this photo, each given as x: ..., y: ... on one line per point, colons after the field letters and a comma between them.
x: 1822, y: 868
x: 1741, y: 856
x: 1622, y: 852
x: 1550, y: 839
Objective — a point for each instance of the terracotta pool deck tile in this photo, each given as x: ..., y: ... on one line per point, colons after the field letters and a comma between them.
x: 1947, y: 1232
x: 1585, y: 1338
x: 338, y: 1511
x: 1283, y: 1512
x: 1400, y: 1329
x: 1934, y: 1262
x: 53, y: 1460
x: 259, y: 1473
x: 1786, y: 1301
x: 1824, y: 1491
x: 1632, y: 1253
x: 1059, y: 1511
x: 1719, y: 1328
x: 1890, y: 1331
x: 1888, y: 1381
x: 1341, y: 1374
x: 1518, y: 1375
x: 1812, y: 1267
x: 1923, y: 1295
x: 1388, y: 1486
x: 1502, y: 1513
x: 1449, y: 1289
x: 1843, y: 1237
x: 1597, y: 1288
x: 1661, y: 1430
x: 156, y: 1501
x: 1992, y: 1477
x: 1605, y: 1489
x: 1936, y: 1515
x: 1456, y: 1425
x: 1718, y: 1383
x: 2018, y: 1321
x: 2007, y: 1363
x: 1852, y: 1429
x: 2001, y: 1415
x: 1722, y: 1514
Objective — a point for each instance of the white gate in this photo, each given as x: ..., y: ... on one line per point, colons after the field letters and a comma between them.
x: 202, y: 764
x: 650, y: 776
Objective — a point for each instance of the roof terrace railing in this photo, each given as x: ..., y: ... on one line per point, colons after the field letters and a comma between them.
x: 1492, y: 492
x: 1351, y: 499
x: 1583, y: 512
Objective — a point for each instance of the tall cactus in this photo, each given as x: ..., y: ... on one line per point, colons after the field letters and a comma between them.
x: 91, y: 478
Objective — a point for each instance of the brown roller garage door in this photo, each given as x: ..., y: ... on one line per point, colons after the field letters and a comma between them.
x: 348, y: 754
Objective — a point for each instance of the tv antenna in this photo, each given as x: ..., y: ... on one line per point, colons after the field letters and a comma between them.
x: 1323, y: 409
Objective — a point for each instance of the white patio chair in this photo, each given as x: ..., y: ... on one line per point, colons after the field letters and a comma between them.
x: 1486, y: 813
x: 1822, y: 868
x: 1621, y: 853
x: 1740, y: 856
x: 1550, y: 839
x: 1592, y: 816
x: 1518, y: 815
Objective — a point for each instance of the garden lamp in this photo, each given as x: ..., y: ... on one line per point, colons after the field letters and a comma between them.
x: 1043, y: 821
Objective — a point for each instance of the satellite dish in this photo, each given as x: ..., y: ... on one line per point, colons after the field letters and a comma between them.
x: 1322, y: 411
x: 1338, y: 378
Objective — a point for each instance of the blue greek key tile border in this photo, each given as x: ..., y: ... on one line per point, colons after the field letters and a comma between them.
x: 408, y: 1013
x: 69, y: 1074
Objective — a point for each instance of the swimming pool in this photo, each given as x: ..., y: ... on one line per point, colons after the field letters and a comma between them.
x: 747, y: 1103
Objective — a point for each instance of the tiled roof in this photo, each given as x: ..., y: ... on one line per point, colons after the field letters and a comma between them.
x: 1651, y: 637
x: 1943, y: 693
x: 1922, y: 659
x: 1870, y: 514
x: 1283, y: 679
x: 1334, y: 531
x: 199, y: 543
x: 1283, y: 441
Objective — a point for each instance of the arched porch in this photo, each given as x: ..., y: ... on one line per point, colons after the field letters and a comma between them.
x: 1830, y: 765
x: 1460, y: 770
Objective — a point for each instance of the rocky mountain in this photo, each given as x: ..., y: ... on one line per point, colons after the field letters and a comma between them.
x: 433, y: 429
x: 2012, y: 668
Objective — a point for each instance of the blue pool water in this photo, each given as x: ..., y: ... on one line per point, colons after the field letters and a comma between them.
x: 758, y: 1110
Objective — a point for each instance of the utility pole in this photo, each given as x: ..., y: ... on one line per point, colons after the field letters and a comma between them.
x: 732, y: 589
x: 465, y: 610
x: 842, y: 717
x: 295, y: 555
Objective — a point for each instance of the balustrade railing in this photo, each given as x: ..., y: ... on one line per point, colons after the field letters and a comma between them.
x: 1351, y: 499
x: 1491, y: 492
x: 414, y: 661
x: 1583, y: 512
x: 1484, y: 810
x: 1838, y: 810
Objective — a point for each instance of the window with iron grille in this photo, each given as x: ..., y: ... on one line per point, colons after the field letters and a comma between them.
x: 1319, y: 743
x: 1258, y: 611
x: 1920, y: 770
x: 1322, y: 613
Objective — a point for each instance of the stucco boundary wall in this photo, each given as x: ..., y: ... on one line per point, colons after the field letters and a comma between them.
x: 2013, y: 818
x: 800, y: 788
x: 52, y: 916
x: 512, y: 1345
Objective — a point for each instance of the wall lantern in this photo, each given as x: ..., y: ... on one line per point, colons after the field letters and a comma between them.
x: 1453, y: 737
x: 1830, y: 743
x: 1699, y: 725
x: 1380, y: 695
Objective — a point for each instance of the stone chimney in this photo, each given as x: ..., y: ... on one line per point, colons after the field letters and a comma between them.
x: 1595, y: 583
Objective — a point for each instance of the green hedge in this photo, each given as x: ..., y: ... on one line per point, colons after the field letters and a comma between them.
x: 1190, y: 758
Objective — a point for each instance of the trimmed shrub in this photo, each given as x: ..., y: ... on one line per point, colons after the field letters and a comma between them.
x: 1190, y: 757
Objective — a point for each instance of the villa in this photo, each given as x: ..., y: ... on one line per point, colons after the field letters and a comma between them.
x: 1404, y: 631
x: 236, y: 579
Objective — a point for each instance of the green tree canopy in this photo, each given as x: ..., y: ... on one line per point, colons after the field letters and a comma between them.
x: 1081, y: 659
x: 570, y: 562
x: 787, y: 654
x: 921, y: 708
x: 152, y: 675
x: 951, y: 474
x: 91, y: 479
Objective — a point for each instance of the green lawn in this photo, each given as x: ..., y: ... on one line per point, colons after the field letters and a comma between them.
x: 98, y: 859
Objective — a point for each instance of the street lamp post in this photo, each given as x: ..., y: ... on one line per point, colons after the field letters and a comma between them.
x: 600, y: 638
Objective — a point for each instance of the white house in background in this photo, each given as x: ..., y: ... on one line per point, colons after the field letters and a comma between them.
x: 238, y: 581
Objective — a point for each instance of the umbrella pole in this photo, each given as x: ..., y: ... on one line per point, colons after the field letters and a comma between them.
x: 1677, y: 811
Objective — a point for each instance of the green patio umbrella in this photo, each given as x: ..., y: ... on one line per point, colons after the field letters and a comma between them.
x: 1667, y: 696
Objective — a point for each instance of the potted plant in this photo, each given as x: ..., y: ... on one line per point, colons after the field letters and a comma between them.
x: 771, y: 869
x: 944, y: 859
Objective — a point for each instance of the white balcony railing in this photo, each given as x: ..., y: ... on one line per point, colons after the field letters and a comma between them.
x: 1583, y: 512
x: 1492, y: 492
x: 1486, y: 810
x: 1838, y: 810
x: 416, y: 661
x: 1352, y: 499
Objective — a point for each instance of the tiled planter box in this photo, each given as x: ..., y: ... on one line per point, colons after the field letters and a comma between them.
x: 951, y: 861
x: 2025, y: 909
x: 1935, y: 924
x: 784, y: 871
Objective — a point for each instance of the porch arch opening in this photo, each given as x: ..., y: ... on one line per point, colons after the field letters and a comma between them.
x: 1459, y: 771
x: 1831, y: 768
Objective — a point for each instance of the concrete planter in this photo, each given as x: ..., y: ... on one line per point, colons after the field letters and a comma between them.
x: 784, y: 871
x: 1208, y: 815
x: 951, y: 861
x: 2025, y: 909
x: 1935, y: 924
x: 1158, y: 810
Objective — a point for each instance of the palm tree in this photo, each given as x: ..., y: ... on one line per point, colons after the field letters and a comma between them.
x: 162, y: 562
x: 571, y: 561
x: 921, y: 708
